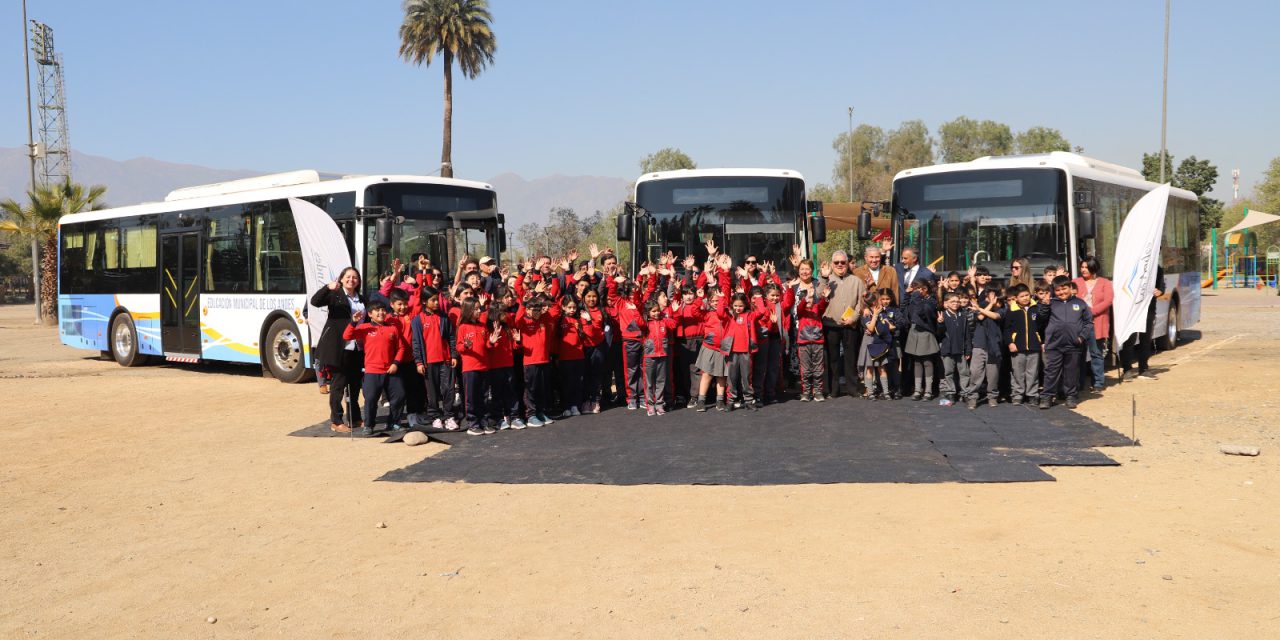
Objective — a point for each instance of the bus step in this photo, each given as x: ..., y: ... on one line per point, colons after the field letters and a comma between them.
x: 188, y: 358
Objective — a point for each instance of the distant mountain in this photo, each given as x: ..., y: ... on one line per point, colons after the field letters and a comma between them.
x: 128, y: 182
x: 149, y: 180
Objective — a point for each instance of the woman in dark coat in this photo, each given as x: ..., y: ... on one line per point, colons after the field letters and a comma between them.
x: 343, y: 358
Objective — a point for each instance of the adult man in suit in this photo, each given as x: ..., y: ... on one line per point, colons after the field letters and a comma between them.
x: 876, y: 274
x: 910, y: 270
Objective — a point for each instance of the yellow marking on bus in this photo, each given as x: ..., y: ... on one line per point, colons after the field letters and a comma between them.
x: 169, y: 293
x: 190, y: 306
x: 193, y: 286
x: 170, y: 277
x: 225, y: 342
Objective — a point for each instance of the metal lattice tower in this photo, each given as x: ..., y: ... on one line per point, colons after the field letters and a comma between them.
x: 54, y: 147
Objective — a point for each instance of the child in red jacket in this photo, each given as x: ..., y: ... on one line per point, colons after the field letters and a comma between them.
x: 809, y: 342
x: 574, y: 329
x: 435, y: 354
x: 766, y: 365
x: 689, y: 315
x: 474, y: 339
x: 383, y: 348
x: 741, y: 324
x: 536, y: 321
x: 505, y: 408
x: 595, y: 350
x: 658, y: 329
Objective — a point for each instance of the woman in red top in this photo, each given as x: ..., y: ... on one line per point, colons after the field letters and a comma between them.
x: 473, y: 349
x: 1098, y: 293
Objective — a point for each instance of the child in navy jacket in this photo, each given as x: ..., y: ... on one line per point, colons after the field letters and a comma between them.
x: 1068, y: 329
x: 988, y: 347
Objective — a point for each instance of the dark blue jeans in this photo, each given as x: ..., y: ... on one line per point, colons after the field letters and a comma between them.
x: 377, y: 384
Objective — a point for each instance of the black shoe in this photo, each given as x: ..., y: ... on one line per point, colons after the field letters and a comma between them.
x: 363, y: 432
x: 1071, y: 402
x: 700, y: 405
x: 1045, y: 402
x: 927, y: 397
x: 694, y: 403
x: 720, y: 406
x: 917, y: 395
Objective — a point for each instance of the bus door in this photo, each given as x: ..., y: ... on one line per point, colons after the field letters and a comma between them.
x: 180, y: 293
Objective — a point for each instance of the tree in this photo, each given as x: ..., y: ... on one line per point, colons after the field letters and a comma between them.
x: 964, y: 139
x: 908, y: 146
x: 666, y: 159
x: 38, y: 221
x: 1151, y: 166
x: 1196, y: 176
x: 1267, y: 193
x: 1041, y: 140
x: 458, y: 30
x: 865, y: 151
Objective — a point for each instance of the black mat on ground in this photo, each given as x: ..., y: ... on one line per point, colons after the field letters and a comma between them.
x: 840, y: 441
x: 322, y: 430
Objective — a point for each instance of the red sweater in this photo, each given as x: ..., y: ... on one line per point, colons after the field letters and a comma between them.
x: 403, y: 323
x: 808, y: 318
x: 501, y: 355
x: 473, y: 347
x: 574, y: 333
x: 689, y: 319
x: 594, y: 330
x: 537, y: 337
x: 382, y: 344
x: 434, y: 345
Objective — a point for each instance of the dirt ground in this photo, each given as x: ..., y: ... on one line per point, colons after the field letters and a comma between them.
x: 140, y: 502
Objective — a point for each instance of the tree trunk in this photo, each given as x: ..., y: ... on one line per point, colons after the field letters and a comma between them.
x: 446, y: 152
x: 35, y: 276
x: 49, y: 281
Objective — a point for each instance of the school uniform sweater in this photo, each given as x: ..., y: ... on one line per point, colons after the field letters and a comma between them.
x: 432, y: 337
x: 472, y: 346
x: 383, y: 345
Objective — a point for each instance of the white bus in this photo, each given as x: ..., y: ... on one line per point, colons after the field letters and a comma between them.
x: 758, y: 212
x: 216, y: 272
x: 1052, y: 208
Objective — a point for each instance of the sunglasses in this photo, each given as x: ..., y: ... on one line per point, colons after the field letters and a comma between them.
x: 839, y: 262
x: 1016, y: 268
x: 751, y: 262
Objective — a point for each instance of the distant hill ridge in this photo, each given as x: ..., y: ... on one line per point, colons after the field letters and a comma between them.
x: 149, y: 180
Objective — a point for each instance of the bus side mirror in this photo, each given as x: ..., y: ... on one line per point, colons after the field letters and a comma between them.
x: 385, y: 232
x: 1086, y: 224
x: 813, y: 206
x: 864, y: 225
x: 626, y: 221
x: 502, y: 233
x: 818, y: 229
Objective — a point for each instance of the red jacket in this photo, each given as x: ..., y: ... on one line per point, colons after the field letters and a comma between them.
x: 473, y: 347
x: 537, y: 337
x: 593, y: 331
x: 382, y: 343
x: 739, y: 331
x: 657, y: 333
x: 403, y: 324
x: 808, y: 318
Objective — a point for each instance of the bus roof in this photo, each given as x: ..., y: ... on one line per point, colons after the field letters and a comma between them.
x: 720, y: 173
x: 1072, y: 163
x: 269, y: 187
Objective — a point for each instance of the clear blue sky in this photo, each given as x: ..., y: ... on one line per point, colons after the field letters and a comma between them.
x: 587, y: 88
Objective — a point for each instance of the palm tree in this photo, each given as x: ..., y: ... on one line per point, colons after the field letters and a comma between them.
x: 458, y: 30
x: 38, y: 220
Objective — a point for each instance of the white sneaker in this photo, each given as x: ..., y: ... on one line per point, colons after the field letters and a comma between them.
x: 504, y: 425
x: 451, y: 424
x: 437, y: 424
x: 545, y: 419
x: 573, y: 411
x: 517, y: 424
x: 534, y: 421
x: 413, y: 421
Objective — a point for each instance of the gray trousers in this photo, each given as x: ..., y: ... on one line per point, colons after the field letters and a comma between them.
x: 955, y: 376
x: 655, y: 382
x: 979, y: 364
x: 739, y: 378
x: 812, y: 368
x: 1024, y: 377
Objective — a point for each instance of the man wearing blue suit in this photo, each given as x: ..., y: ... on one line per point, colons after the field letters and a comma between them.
x: 909, y: 270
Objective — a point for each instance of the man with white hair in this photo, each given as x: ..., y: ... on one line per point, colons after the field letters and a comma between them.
x: 840, y: 322
x: 877, y: 275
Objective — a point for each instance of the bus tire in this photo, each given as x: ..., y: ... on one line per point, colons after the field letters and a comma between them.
x: 284, y: 352
x: 124, y: 342
x: 1169, y: 341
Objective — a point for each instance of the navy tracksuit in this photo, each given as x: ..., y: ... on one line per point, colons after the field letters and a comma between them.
x: 1068, y: 331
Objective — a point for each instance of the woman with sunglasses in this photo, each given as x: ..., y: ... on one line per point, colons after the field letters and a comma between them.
x: 1020, y: 273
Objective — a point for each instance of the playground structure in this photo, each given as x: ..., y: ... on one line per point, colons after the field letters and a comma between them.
x: 1242, y: 264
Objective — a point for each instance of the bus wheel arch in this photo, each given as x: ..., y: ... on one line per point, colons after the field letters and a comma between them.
x: 122, y: 340
x: 1169, y: 341
x: 281, y: 352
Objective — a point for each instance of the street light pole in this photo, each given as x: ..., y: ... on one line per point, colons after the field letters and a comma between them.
x: 1164, y: 97
x: 31, y: 155
x: 849, y: 148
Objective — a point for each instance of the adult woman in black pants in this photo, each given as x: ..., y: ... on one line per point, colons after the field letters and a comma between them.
x: 343, y: 358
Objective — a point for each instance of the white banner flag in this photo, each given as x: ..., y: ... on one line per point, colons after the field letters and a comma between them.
x: 324, y: 256
x: 1135, y: 263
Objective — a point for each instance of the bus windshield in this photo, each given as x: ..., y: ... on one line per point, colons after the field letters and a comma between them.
x: 429, y: 210
x: 960, y: 219
x: 744, y: 216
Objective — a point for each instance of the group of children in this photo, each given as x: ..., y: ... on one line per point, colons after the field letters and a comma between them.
x: 499, y: 350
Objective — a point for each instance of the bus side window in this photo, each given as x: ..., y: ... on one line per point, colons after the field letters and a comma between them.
x: 227, y: 256
x: 279, y: 251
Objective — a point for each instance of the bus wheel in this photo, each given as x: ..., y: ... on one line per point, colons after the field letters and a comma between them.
x: 124, y: 342
x: 1170, y: 339
x: 284, y: 352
